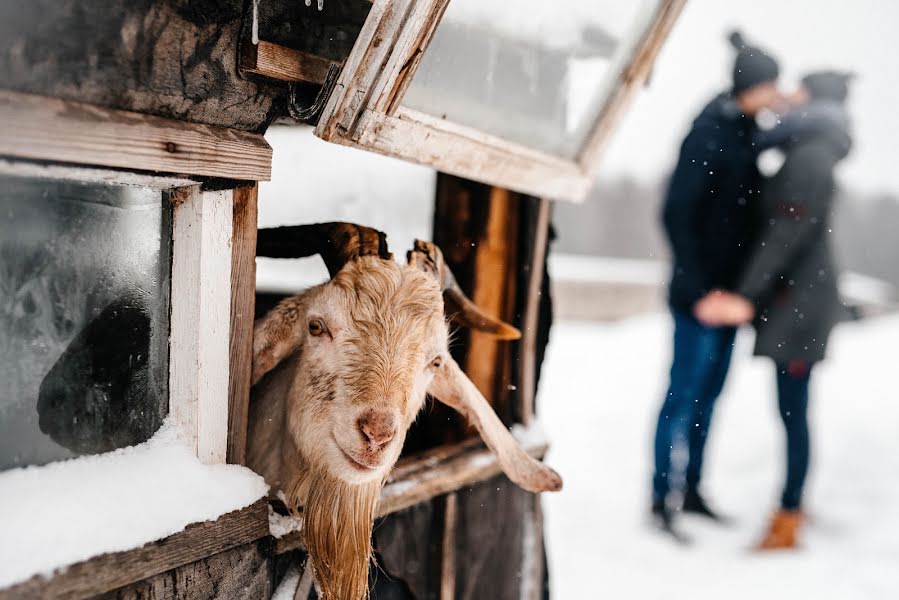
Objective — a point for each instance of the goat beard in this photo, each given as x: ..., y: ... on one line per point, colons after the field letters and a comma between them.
x: 337, y: 524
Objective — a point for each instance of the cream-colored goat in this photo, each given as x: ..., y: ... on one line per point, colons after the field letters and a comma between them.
x: 347, y: 367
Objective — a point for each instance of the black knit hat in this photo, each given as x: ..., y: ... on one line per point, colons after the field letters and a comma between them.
x: 828, y: 85
x: 752, y: 66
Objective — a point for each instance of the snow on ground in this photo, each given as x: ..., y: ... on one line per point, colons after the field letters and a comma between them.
x: 69, y: 511
x: 601, y: 388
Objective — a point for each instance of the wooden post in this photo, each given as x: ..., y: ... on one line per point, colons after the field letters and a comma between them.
x: 476, y: 226
x: 243, y: 300
x: 531, y: 314
x: 200, y: 300
x: 493, y: 291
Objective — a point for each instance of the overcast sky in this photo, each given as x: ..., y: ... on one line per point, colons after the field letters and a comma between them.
x: 861, y: 35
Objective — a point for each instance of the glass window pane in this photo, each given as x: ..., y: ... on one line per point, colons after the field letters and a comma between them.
x: 84, y: 279
x: 537, y: 76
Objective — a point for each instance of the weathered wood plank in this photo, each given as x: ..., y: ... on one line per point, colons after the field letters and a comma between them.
x: 36, y: 127
x: 532, y: 551
x: 489, y: 540
x: 110, y: 571
x: 409, y: 547
x: 200, y: 300
x: 169, y: 58
x: 448, y: 475
x: 243, y: 299
x: 285, y: 64
x: 466, y: 152
x: 242, y: 573
x: 448, y: 558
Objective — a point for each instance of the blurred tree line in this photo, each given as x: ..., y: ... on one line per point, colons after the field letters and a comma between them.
x: 620, y: 218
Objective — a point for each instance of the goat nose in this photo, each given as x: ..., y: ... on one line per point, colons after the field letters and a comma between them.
x: 377, y: 429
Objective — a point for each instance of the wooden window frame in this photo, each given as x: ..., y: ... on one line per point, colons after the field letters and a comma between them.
x: 365, y: 109
x: 209, y: 175
x: 213, y: 237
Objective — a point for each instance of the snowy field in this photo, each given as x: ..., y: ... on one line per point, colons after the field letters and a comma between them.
x: 601, y: 389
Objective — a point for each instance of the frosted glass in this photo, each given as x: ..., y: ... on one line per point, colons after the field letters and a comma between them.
x: 537, y: 75
x: 84, y: 279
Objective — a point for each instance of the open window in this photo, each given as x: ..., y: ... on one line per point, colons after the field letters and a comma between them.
x: 522, y: 99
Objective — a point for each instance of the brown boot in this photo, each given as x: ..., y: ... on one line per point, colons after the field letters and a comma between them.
x: 783, y: 531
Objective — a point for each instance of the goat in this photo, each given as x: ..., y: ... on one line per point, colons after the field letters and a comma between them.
x: 340, y: 373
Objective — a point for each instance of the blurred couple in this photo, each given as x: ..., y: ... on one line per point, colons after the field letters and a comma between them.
x: 748, y: 249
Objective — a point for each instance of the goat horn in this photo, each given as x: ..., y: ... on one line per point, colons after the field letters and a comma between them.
x: 337, y: 243
x: 428, y: 257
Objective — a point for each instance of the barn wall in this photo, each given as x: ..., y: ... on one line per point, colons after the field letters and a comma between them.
x: 171, y: 58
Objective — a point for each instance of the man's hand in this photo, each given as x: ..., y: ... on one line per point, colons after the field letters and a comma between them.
x: 722, y: 308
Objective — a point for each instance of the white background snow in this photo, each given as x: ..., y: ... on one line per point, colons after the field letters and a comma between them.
x: 599, y: 397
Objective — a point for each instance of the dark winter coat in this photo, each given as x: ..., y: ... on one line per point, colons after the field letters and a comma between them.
x: 710, y: 210
x: 791, y: 274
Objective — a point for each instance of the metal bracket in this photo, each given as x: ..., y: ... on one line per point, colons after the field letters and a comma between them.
x: 309, y: 113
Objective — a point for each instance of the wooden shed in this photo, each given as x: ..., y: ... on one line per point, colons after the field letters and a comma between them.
x: 131, y: 147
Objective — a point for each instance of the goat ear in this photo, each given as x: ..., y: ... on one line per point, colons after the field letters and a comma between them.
x: 452, y: 387
x: 277, y: 335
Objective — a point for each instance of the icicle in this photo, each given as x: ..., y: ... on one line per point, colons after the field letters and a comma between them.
x: 321, y: 4
x: 255, y: 22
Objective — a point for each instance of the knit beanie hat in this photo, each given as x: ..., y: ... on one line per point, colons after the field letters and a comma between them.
x: 752, y: 66
x: 828, y: 85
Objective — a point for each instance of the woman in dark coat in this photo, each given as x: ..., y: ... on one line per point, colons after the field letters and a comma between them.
x: 790, y: 282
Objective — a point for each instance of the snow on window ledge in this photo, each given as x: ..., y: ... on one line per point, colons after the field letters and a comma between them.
x: 70, y: 511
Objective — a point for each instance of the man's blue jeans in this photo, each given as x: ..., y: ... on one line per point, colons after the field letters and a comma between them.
x: 701, y: 358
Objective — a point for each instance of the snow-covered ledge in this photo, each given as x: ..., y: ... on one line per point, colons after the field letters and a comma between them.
x: 70, y: 511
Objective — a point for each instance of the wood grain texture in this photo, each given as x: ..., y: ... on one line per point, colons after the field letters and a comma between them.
x: 36, y: 127
x: 243, y: 299
x: 110, y: 571
x: 448, y: 555
x: 200, y: 319
x: 242, y: 573
x: 285, y: 64
x: 490, y: 540
x: 466, y: 152
x: 527, y: 354
x: 168, y: 58
x: 493, y: 291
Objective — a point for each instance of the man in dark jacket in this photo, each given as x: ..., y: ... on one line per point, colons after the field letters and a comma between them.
x: 710, y: 218
x: 790, y: 279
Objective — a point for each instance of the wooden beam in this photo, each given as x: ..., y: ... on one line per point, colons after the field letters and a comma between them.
x: 466, y: 152
x: 243, y: 300
x: 283, y: 63
x: 40, y: 128
x: 531, y: 315
x: 200, y: 301
x: 443, y: 476
x: 111, y: 571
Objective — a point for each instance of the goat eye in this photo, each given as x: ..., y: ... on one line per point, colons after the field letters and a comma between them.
x: 316, y: 327
x: 437, y: 362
